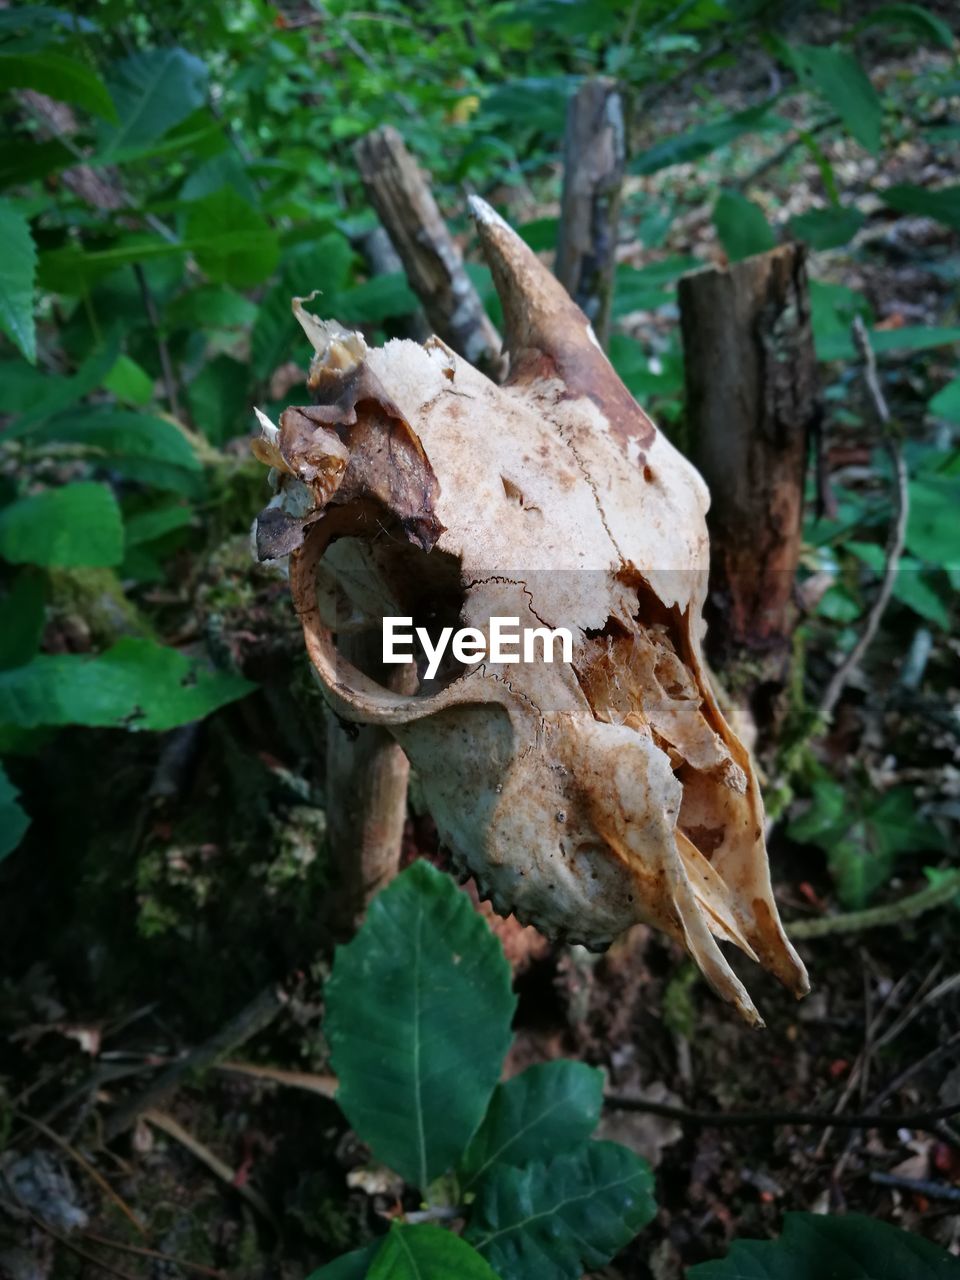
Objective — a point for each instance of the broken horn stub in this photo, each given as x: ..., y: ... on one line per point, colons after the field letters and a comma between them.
x: 546, y: 333
x: 584, y: 795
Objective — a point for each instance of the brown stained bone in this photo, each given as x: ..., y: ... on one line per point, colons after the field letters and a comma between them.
x: 548, y: 335
x: 585, y: 797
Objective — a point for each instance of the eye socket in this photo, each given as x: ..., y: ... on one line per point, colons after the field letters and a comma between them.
x: 364, y: 579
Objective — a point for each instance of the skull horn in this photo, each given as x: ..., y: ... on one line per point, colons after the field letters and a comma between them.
x: 548, y: 336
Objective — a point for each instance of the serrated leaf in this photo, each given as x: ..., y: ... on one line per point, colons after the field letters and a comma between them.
x: 136, y: 684
x: 942, y: 205
x: 13, y: 820
x: 77, y: 524
x: 152, y: 91
x: 742, y: 226
x: 232, y: 242
x: 18, y: 269
x: 123, y: 432
x: 60, y: 77
x: 418, y: 1022
x: 841, y: 81
x: 425, y: 1252
x: 546, y: 1110
x: 557, y: 1220
x: 827, y: 228
x: 814, y: 1246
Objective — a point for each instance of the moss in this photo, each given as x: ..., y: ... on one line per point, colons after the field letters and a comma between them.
x: 96, y: 597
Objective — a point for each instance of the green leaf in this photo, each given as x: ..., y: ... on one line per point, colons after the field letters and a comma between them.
x: 862, y: 835
x: 323, y: 265
x: 942, y: 205
x: 152, y: 91
x: 933, y: 530
x: 557, y: 1220
x: 77, y: 524
x: 426, y: 1252
x: 418, y: 1022
x: 815, y: 1246
x: 540, y: 1113
x: 843, y: 84
x: 136, y: 684
x: 352, y: 1266
x: 914, y: 585
x: 124, y: 432
x: 24, y: 609
x: 827, y: 228
x: 838, y: 345
x: 232, y: 242
x: 211, y: 307
x: 910, y: 17
x: 742, y: 226
x: 59, y: 77
x: 18, y: 269
x: 705, y: 138
x: 129, y: 382
x: 650, y: 287
x: 946, y: 403
x: 13, y: 820
x: 59, y: 393
x: 21, y: 162
x: 147, y: 526
x: 219, y: 401
x: 378, y: 299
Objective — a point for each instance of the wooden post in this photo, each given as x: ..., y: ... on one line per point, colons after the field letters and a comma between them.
x: 595, y: 155
x: 367, y: 776
x: 752, y: 400
x: 404, y: 202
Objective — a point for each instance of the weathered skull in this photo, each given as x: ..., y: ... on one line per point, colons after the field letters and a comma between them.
x: 583, y: 797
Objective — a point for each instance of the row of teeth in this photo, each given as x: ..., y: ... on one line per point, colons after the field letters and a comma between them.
x: 487, y: 893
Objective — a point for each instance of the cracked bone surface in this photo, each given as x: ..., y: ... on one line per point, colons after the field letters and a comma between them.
x: 582, y: 797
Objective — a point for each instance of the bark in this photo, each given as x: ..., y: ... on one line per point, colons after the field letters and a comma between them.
x: 383, y: 260
x: 404, y: 202
x: 752, y: 401
x: 594, y: 159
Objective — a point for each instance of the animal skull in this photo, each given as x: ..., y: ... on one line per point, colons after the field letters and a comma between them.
x: 582, y: 797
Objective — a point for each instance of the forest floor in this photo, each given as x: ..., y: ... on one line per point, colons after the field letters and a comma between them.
x: 182, y: 875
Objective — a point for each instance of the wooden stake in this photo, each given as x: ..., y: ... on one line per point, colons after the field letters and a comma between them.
x: 367, y: 775
x: 404, y: 202
x: 752, y: 400
x: 595, y: 155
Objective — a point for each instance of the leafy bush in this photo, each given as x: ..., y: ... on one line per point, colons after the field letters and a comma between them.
x: 418, y: 1021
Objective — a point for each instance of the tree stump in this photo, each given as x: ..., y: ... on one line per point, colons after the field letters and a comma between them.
x: 595, y: 155
x: 752, y: 400
x: 405, y: 205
